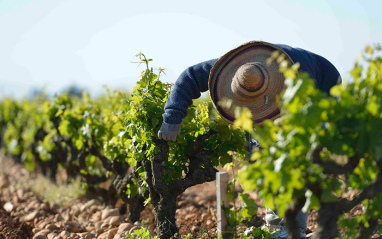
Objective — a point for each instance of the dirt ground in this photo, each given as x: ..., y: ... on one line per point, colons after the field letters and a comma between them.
x: 11, y: 228
x: 84, y: 218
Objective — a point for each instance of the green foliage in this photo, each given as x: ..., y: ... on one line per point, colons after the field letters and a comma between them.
x: 257, y: 233
x: 251, y: 233
x: 88, y: 137
x: 142, y: 233
x: 238, y: 215
x: 317, y: 131
x: 141, y: 118
x: 59, y: 130
x: 249, y: 207
x: 314, y: 131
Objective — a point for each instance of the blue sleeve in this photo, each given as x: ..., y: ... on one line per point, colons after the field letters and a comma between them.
x: 320, y: 69
x: 328, y: 73
x: 190, y: 84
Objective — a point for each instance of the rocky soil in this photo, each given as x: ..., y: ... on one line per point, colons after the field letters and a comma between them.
x: 23, y: 214
x: 13, y: 228
x: 26, y: 215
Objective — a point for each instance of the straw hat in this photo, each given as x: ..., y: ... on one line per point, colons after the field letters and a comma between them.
x: 244, y: 76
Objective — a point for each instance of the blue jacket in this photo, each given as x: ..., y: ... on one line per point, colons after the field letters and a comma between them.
x: 194, y: 80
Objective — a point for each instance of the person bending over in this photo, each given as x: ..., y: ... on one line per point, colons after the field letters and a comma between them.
x: 244, y: 76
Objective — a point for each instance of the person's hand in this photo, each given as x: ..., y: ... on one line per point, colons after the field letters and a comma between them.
x: 169, y: 131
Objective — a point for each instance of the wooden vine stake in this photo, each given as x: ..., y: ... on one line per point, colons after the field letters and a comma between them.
x: 221, y: 197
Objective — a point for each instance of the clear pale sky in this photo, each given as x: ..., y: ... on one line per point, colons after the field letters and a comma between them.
x: 91, y: 43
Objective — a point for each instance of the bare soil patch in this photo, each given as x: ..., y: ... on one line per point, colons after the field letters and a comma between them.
x: 87, y: 218
x: 12, y: 228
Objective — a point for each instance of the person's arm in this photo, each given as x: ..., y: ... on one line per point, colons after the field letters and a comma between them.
x: 190, y: 84
x: 320, y: 69
x: 328, y: 73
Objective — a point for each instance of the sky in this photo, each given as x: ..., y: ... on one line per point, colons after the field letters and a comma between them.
x: 52, y: 44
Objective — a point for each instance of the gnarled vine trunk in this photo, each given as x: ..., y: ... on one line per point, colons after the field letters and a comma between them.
x: 327, y: 222
x: 165, y: 220
x: 329, y: 212
x: 164, y: 194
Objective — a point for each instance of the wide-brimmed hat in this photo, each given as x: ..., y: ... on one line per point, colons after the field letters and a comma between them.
x: 244, y: 76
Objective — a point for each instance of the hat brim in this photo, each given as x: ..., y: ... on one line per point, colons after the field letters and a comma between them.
x: 263, y: 107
